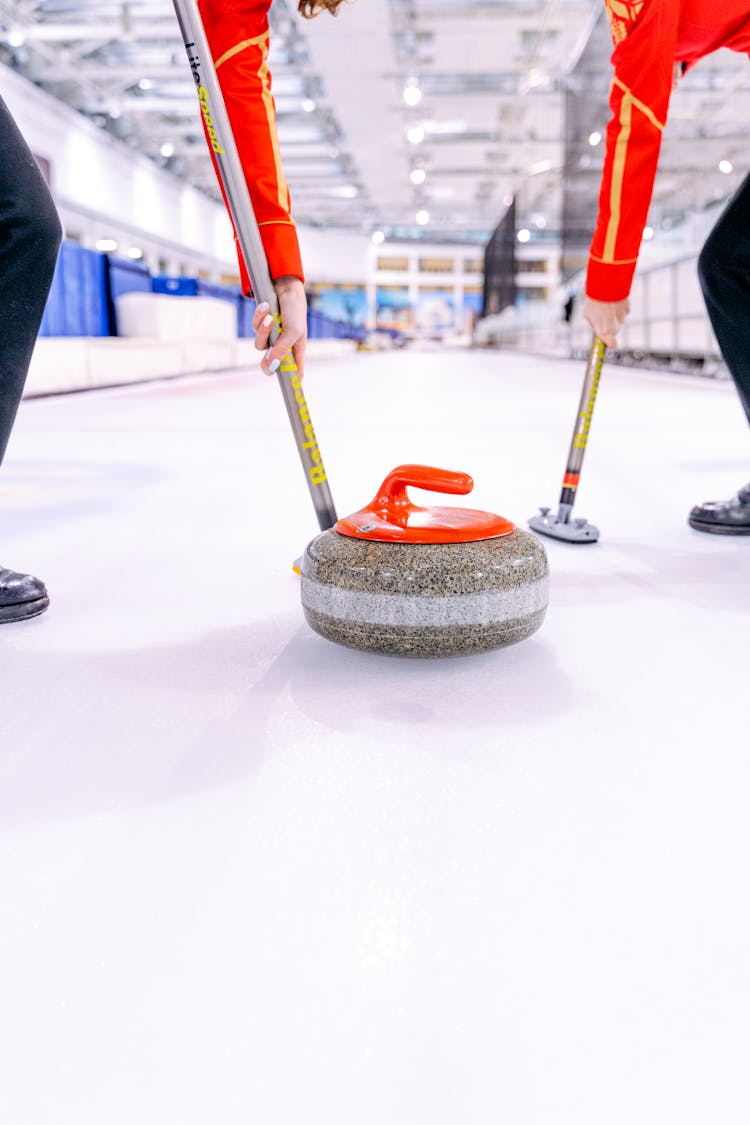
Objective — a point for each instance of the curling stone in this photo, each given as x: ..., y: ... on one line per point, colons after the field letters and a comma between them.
x: 396, y: 578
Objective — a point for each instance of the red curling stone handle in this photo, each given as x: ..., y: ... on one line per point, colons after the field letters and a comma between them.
x: 392, y: 492
x: 392, y: 518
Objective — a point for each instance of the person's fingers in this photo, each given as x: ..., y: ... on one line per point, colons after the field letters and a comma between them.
x: 606, y: 318
x: 269, y: 365
x: 293, y: 325
x: 262, y: 323
x: 261, y: 336
x: 607, y: 332
x: 298, y: 351
x: 286, y: 342
x: 260, y: 313
x: 613, y: 328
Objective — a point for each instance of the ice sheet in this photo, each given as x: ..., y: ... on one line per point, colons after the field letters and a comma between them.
x: 248, y: 876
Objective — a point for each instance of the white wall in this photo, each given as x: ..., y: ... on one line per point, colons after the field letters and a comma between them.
x: 105, y: 189
x: 334, y: 256
x: 102, y: 185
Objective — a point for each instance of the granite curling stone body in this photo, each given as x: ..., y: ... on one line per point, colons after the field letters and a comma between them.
x: 396, y: 578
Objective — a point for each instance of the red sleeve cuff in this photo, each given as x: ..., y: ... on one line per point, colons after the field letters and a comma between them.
x: 282, y: 250
x: 609, y: 281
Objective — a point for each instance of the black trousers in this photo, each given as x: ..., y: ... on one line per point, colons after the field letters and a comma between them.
x: 724, y: 272
x: 30, y: 237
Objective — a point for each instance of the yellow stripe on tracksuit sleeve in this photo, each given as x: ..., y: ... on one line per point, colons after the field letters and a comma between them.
x: 618, y: 175
x: 262, y: 41
x: 645, y: 110
x: 242, y: 46
x: 284, y: 199
x: 618, y: 164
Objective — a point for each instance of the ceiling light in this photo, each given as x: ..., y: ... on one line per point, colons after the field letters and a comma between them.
x: 422, y: 217
x: 346, y: 191
x: 308, y: 105
x: 378, y: 237
x: 412, y: 95
x: 105, y: 244
x: 648, y: 232
x: 418, y: 175
x: 507, y: 200
x: 145, y: 84
x: 167, y: 150
x: 416, y: 134
x: 539, y: 222
x: 725, y: 166
x: 540, y: 166
x: 523, y: 235
x: 16, y: 37
x: 135, y: 253
x: 594, y: 139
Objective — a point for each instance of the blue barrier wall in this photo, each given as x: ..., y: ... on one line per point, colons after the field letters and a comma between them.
x: 124, y: 276
x: 127, y: 276
x: 322, y: 327
x: 245, y: 310
x: 233, y: 294
x: 77, y: 304
x: 221, y: 292
x: 177, y: 286
x: 87, y: 283
x: 197, y: 287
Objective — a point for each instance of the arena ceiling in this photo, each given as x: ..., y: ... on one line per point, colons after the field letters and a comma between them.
x: 491, y: 77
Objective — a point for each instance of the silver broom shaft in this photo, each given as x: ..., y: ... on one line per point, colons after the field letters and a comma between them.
x: 216, y: 120
x: 582, y: 426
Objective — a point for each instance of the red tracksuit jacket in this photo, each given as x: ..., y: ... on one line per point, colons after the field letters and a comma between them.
x: 237, y: 32
x: 649, y: 37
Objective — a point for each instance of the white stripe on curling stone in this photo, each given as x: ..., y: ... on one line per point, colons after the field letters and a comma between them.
x: 488, y: 608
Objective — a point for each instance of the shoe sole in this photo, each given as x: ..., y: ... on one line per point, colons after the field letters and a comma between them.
x: 22, y: 610
x: 719, y: 528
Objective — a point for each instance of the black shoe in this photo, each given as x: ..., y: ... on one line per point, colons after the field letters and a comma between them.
x: 21, y: 595
x: 728, y: 517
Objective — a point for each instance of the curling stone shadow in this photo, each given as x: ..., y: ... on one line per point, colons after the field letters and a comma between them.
x: 140, y: 727
x: 710, y: 578
x: 116, y: 730
x: 348, y: 690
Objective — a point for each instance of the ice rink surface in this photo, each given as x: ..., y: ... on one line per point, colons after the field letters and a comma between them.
x: 247, y: 876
